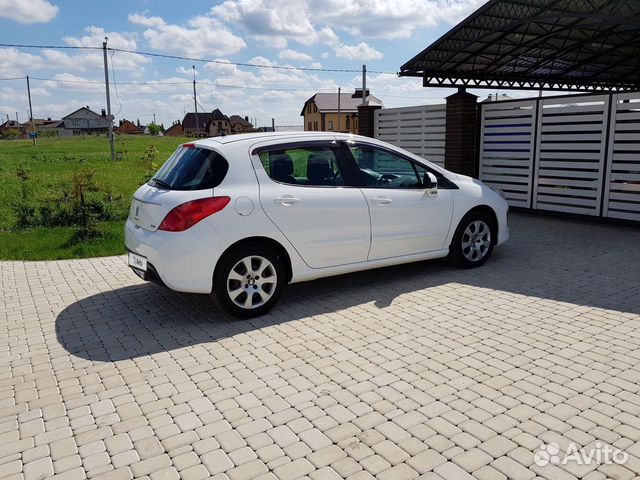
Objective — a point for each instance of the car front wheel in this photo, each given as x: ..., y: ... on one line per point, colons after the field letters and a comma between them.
x: 473, y: 241
x: 249, y: 280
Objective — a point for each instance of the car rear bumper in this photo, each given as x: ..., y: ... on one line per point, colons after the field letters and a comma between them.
x: 182, y: 261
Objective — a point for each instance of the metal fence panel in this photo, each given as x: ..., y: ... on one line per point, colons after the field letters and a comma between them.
x: 622, y: 187
x: 420, y: 130
x: 507, y: 148
x: 568, y: 173
x: 575, y: 154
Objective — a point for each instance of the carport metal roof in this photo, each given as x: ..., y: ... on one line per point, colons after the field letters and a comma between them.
x: 579, y: 45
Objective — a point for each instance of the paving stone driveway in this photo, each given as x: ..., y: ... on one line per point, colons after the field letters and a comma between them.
x: 421, y: 369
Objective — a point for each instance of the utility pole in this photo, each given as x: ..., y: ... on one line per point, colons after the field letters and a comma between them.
x: 154, y: 118
x: 112, y: 143
x: 32, y: 132
x: 195, y: 101
x: 338, y: 109
x: 364, y: 84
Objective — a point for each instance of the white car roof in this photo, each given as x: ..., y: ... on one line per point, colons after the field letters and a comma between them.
x: 260, y: 136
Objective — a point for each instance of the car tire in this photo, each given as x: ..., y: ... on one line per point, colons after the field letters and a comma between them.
x: 473, y: 241
x: 248, y: 280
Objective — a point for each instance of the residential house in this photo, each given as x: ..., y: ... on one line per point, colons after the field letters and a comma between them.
x: 220, y: 124
x: 201, y: 129
x: 320, y: 112
x: 54, y: 126
x: 85, y: 121
x: 12, y: 125
x: 127, y: 127
x: 175, y: 130
x: 240, y: 124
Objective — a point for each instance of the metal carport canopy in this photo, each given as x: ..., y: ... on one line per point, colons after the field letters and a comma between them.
x: 578, y: 45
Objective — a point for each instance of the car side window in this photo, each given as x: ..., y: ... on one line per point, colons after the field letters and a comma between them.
x: 312, y: 166
x: 380, y: 168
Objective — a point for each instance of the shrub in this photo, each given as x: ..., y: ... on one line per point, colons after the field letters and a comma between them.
x: 10, y: 134
x: 150, y: 162
x: 25, y: 214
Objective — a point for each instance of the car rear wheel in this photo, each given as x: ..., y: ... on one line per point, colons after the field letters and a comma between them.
x: 473, y: 241
x: 249, y: 280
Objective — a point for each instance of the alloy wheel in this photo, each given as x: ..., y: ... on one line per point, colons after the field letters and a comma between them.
x: 252, y: 282
x: 476, y: 240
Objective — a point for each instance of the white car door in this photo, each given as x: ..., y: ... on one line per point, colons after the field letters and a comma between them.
x: 406, y: 218
x: 302, y: 190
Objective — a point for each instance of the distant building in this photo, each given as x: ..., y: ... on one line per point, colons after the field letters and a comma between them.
x: 320, y: 112
x: 214, y: 124
x: 56, y: 126
x: 85, y: 121
x: 220, y: 124
x: 127, y: 127
x: 201, y: 129
x: 240, y: 124
x: 175, y: 130
x: 496, y: 98
x: 12, y: 125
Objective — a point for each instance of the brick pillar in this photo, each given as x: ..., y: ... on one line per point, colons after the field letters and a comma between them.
x: 366, y: 119
x: 460, y: 151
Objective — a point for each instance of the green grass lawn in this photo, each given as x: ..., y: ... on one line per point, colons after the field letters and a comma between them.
x: 50, y: 165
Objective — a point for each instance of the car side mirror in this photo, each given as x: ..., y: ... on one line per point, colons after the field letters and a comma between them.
x: 429, y: 181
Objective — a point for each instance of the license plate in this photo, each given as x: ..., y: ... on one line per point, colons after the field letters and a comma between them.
x: 137, y: 261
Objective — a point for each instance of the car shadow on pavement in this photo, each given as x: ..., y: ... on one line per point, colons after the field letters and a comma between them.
x: 562, y: 260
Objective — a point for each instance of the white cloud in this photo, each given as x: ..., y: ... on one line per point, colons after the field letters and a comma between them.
x: 96, y: 36
x: 389, y: 18
x: 361, y: 51
x: 270, y: 18
x: 202, y: 36
x: 304, y: 20
x: 294, y: 55
x: 28, y: 11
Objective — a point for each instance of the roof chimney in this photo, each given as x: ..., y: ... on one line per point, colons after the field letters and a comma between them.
x: 104, y: 113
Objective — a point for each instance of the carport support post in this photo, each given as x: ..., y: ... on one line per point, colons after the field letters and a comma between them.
x: 460, y: 151
x: 367, y: 120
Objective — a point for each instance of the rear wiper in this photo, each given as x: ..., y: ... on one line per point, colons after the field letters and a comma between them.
x: 162, y: 183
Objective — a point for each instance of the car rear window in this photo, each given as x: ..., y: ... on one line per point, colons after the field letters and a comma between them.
x: 191, y: 168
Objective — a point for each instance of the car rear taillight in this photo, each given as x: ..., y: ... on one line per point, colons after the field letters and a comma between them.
x: 188, y: 214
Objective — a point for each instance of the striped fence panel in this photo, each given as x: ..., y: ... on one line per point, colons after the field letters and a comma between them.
x: 570, y: 154
x: 420, y: 130
x: 507, y: 149
x: 622, y: 187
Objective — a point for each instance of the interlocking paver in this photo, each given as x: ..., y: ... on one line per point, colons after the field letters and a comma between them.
x: 414, y: 370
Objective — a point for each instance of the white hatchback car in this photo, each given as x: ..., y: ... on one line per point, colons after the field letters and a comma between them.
x: 243, y: 215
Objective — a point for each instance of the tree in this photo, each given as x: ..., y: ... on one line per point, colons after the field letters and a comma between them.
x: 154, y: 129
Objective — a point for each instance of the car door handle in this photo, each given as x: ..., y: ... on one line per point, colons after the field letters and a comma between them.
x: 381, y: 200
x: 286, y: 200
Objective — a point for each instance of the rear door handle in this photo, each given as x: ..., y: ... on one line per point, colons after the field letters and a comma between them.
x: 286, y: 200
x: 381, y: 200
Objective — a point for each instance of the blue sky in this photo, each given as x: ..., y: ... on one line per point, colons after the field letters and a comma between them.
x: 334, y: 34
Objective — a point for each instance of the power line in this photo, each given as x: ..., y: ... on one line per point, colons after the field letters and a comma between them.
x: 240, y: 64
x: 193, y: 59
x: 52, y: 47
x: 205, y: 83
x: 152, y: 83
